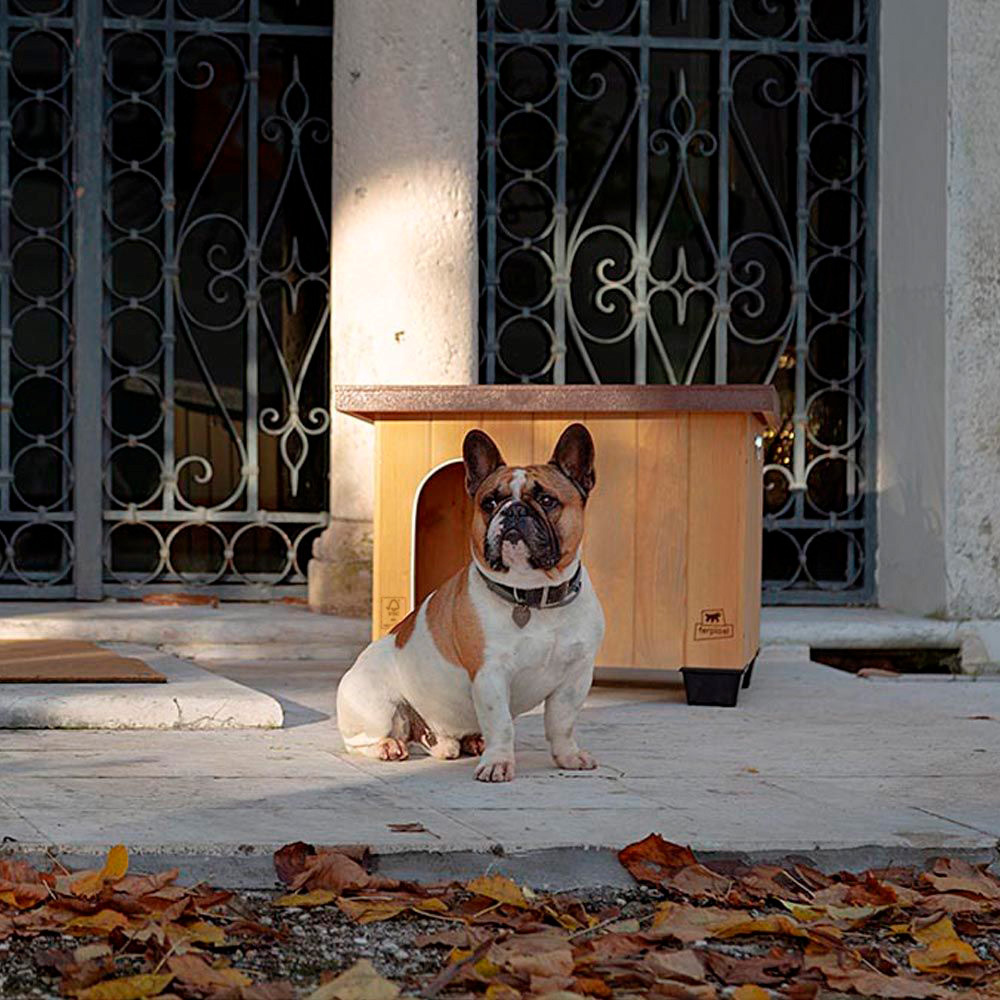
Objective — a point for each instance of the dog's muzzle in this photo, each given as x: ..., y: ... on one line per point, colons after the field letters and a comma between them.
x: 515, y: 521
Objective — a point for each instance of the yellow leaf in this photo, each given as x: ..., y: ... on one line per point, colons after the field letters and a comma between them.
x: 499, y: 888
x: 762, y: 925
x: 360, y: 982
x: 431, y: 905
x: 750, y: 992
x: 116, y: 863
x: 115, y: 867
x: 854, y: 914
x: 200, y: 932
x: 501, y: 991
x: 802, y: 912
x: 318, y: 897
x: 940, y: 930
x: 943, y: 953
x: 485, y: 968
x: 24, y: 896
x: 370, y: 911
x: 127, y: 988
x: 104, y: 921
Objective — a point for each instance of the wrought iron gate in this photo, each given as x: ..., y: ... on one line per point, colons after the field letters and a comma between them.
x: 682, y: 191
x: 164, y: 269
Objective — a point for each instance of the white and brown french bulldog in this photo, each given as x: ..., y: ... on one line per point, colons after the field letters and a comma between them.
x: 519, y: 625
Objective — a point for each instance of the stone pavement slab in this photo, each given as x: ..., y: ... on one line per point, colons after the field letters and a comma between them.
x: 813, y: 761
x: 192, y: 698
x: 231, y: 631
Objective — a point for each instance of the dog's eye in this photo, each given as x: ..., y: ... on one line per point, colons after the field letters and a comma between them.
x: 489, y: 504
x: 548, y: 501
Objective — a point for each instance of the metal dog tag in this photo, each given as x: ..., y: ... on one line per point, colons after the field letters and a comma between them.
x: 521, y: 614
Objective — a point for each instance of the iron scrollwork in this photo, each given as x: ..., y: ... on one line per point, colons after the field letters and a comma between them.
x: 36, y: 294
x: 217, y: 325
x: 680, y: 193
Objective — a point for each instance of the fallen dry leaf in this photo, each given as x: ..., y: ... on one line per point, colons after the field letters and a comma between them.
x: 822, y: 934
x: 682, y: 991
x: 144, y: 885
x: 318, y: 897
x: 181, y: 600
x: 842, y: 971
x: 498, y: 888
x: 658, y: 862
x: 953, y: 875
x: 261, y: 991
x: 544, y: 953
x: 588, y: 985
x: 950, y: 955
x: 749, y: 992
x: 370, y: 911
x: 331, y: 870
x: 853, y: 915
x: 127, y: 988
x: 688, y: 924
x: 763, y: 970
x: 684, y: 966
x: 360, y: 982
x: 115, y: 867
x: 195, y: 972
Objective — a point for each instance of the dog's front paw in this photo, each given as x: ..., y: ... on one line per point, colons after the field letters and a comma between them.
x: 575, y: 760
x: 499, y: 769
x: 392, y: 749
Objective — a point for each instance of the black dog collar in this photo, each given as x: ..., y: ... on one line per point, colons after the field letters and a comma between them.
x: 536, y: 597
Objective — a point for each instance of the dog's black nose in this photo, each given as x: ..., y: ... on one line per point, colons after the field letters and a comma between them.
x: 517, y: 510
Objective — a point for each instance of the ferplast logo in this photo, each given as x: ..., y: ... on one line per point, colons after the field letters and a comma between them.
x: 713, y: 625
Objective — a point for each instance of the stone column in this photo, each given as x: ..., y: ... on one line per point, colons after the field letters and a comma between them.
x: 404, y: 282
x: 939, y: 308
x: 972, y: 337
x: 913, y: 201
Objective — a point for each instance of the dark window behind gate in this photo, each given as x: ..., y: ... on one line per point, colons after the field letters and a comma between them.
x: 681, y: 191
x: 164, y: 268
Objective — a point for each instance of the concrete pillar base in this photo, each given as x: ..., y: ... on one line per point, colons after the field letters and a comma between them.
x: 340, y: 571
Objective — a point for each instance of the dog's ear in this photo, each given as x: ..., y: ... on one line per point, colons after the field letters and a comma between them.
x: 481, y: 457
x: 574, y: 458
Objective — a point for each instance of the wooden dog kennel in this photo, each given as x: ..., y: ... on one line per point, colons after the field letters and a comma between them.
x: 673, y: 535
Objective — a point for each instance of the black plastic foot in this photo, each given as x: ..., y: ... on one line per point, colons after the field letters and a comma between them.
x: 719, y: 688
x: 748, y: 673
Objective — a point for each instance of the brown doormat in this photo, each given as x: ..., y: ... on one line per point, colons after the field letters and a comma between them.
x: 69, y: 661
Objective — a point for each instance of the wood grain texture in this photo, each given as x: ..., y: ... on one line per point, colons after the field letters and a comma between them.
x: 546, y: 429
x: 609, y: 538
x: 661, y: 553
x: 447, y: 435
x: 716, y: 534
x: 754, y: 493
x: 402, y: 459
x: 513, y: 435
